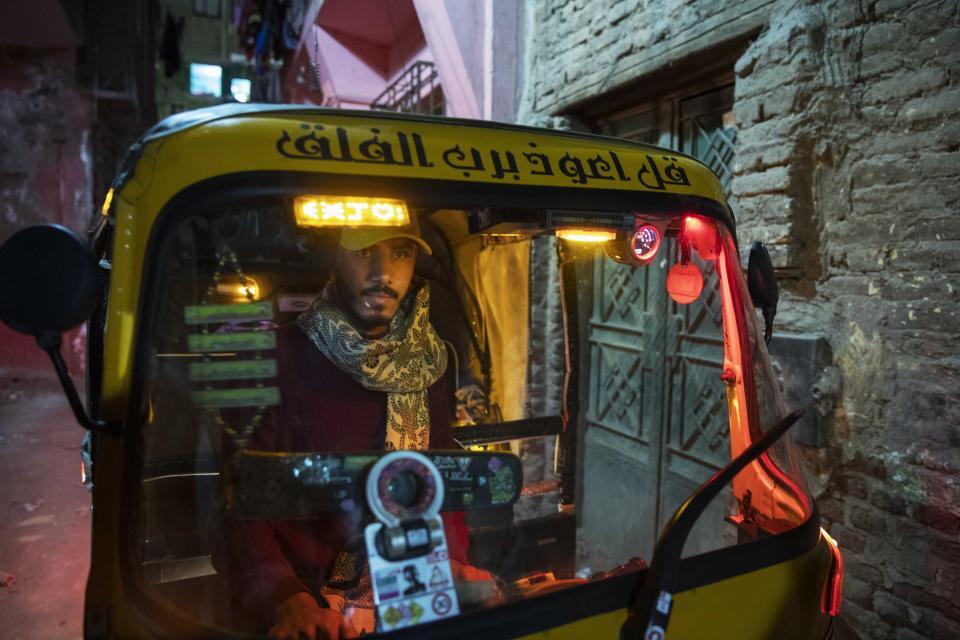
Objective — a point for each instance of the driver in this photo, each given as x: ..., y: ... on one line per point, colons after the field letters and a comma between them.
x: 361, y: 369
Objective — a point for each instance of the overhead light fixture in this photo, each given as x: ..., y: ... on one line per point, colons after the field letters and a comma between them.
x: 594, y: 236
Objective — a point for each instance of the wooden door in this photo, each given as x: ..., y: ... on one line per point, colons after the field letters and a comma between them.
x: 656, y: 422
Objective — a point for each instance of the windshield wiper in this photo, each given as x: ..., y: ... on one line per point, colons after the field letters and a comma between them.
x: 651, y: 605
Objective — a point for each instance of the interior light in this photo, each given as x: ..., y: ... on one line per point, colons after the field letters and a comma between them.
x: 586, y: 235
x: 645, y: 243
x: 350, y: 211
x: 232, y: 287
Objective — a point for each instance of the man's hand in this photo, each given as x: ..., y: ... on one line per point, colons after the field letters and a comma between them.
x: 463, y: 572
x: 473, y: 585
x: 300, y: 616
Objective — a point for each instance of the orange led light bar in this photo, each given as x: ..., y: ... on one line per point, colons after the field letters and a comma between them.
x: 349, y: 211
x: 586, y: 235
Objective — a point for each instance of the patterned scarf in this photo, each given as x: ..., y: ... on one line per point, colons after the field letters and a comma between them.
x: 407, y: 360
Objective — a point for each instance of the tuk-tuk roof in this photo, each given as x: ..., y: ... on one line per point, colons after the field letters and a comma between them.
x: 189, y: 147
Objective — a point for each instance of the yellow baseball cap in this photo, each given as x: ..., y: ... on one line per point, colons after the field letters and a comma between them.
x: 356, y: 239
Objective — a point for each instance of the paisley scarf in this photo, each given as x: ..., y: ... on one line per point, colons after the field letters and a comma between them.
x: 403, y: 363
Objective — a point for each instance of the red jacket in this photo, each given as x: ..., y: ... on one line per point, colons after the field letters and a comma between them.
x: 322, y: 409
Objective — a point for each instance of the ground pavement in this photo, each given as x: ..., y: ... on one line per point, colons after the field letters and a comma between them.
x: 45, y: 523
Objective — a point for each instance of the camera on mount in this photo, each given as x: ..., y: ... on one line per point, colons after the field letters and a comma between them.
x: 404, y: 492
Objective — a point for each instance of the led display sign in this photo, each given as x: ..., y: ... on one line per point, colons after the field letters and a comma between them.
x: 349, y: 211
x: 586, y: 235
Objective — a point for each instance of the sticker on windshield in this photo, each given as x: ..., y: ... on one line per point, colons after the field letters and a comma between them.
x: 233, y: 370
x: 230, y: 398
x: 220, y: 313
x: 225, y: 342
x: 413, y: 590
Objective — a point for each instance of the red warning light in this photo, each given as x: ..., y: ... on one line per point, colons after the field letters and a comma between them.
x: 702, y: 236
x: 645, y: 243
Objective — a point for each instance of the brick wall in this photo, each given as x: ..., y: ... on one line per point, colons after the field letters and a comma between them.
x: 848, y: 167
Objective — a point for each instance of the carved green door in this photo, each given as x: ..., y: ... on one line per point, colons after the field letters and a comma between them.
x: 656, y: 413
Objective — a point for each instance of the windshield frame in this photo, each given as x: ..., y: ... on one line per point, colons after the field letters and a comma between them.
x: 526, y: 616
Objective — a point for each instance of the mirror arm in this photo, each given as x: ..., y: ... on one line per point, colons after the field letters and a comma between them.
x: 50, y: 342
x: 651, y: 604
x: 769, y: 311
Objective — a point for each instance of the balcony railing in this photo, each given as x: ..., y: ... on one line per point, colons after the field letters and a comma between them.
x: 417, y: 90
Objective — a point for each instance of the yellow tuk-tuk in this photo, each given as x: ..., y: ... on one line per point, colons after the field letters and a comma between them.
x: 603, y: 455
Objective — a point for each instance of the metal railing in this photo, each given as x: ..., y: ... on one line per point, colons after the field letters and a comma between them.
x: 416, y: 90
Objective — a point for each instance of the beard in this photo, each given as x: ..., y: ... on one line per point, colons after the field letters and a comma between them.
x: 369, y: 319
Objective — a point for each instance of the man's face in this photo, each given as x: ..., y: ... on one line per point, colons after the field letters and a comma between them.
x: 372, y: 282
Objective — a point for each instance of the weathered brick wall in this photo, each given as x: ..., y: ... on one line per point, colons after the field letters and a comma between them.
x: 848, y: 167
x: 45, y: 167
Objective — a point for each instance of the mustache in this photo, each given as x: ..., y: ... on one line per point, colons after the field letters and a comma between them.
x: 381, y: 289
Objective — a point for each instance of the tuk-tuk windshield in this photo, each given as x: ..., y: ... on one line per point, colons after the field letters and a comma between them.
x: 619, y: 369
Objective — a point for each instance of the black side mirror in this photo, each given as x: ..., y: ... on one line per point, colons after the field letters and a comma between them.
x: 49, y: 280
x: 49, y: 283
x: 762, y: 282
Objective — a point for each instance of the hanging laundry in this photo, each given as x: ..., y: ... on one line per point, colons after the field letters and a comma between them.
x: 170, y: 44
x: 293, y: 23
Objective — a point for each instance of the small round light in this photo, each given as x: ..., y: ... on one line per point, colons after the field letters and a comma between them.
x: 645, y: 243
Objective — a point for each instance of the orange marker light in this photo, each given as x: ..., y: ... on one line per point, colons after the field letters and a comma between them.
x: 107, y: 201
x: 349, y: 211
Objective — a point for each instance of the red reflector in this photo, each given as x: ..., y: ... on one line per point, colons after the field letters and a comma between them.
x: 684, y: 283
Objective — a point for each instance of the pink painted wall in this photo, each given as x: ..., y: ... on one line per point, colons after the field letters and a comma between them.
x: 359, y: 47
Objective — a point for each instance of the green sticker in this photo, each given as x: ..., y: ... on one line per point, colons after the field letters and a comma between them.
x: 353, y: 463
x: 242, y: 341
x: 240, y: 312
x: 229, y: 398
x: 233, y: 370
x: 502, y: 486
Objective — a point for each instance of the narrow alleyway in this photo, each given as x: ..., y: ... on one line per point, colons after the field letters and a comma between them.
x: 45, y: 528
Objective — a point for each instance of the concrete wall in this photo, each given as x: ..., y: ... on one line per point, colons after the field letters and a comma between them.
x: 45, y: 167
x: 489, y: 35
x: 847, y: 166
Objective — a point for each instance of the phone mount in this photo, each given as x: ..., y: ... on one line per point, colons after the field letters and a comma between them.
x: 406, y: 548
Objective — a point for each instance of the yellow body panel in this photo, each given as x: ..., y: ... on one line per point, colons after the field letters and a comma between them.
x: 780, y: 602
